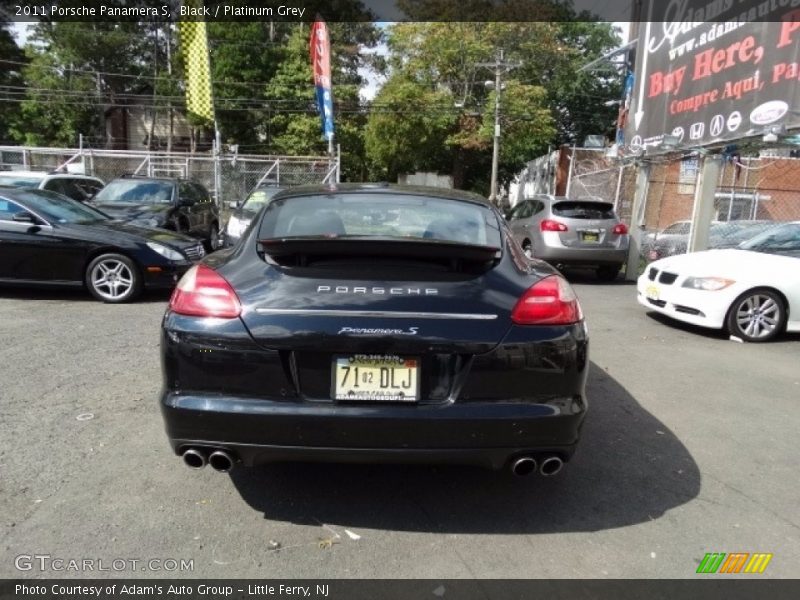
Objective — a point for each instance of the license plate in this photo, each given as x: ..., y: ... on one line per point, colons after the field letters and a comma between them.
x: 376, y: 378
x: 652, y: 292
x: 590, y: 236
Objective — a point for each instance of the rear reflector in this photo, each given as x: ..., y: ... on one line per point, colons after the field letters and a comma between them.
x: 620, y: 229
x: 550, y: 225
x: 202, y: 292
x: 551, y: 301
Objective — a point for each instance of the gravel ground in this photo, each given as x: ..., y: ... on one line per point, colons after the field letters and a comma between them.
x: 690, y: 447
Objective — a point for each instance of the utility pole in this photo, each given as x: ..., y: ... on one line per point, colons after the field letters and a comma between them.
x: 499, y: 67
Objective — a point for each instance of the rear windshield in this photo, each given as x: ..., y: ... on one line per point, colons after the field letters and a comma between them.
x: 381, y: 215
x: 776, y: 239
x: 576, y: 209
x: 135, y: 192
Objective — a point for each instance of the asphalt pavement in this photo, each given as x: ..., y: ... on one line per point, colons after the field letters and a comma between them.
x: 690, y: 447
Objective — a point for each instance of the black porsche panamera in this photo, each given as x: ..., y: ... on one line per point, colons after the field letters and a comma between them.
x: 49, y: 240
x: 375, y: 323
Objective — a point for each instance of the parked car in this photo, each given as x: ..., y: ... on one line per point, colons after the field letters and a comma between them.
x: 340, y: 338
x: 244, y: 212
x: 571, y: 232
x: 77, y: 187
x: 677, y: 229
x: 752, y: 291
x: 721, y: 234
x: 166, y: 202
x: 47, y: 239
x: 732, y: 233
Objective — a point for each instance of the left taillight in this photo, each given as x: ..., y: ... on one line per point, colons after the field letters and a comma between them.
x: 550, y: 301
x: 620, y: 229
x: 202, y: 292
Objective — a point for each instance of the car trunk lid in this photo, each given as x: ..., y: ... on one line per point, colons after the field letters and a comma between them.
x: 321, y: 300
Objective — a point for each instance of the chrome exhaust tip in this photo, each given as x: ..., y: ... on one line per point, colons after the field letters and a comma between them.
x: 194, y: 459
x: 523, y: 466
x: 221, y: 461
x: 551, y: 466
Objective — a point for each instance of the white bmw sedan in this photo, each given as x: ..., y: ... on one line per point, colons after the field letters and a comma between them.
x: 753, y: 291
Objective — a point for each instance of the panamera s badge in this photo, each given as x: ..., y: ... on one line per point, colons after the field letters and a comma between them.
x: 378, y: 331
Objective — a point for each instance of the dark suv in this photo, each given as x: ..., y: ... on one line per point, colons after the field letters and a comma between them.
x: 169, y: 203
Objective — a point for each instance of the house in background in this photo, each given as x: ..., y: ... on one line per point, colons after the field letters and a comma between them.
x: 129, y: 128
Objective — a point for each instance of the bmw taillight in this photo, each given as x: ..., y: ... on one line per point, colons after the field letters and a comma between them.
x: 550, y: 225
x: 202, y: 292
x: 550, y: 301
x: 620, y: 229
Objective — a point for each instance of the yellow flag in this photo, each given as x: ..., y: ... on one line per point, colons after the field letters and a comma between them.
x: 194, y: 44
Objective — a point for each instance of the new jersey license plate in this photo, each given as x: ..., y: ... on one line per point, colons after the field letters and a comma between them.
x: 376, y: 378
x: 590, y: 236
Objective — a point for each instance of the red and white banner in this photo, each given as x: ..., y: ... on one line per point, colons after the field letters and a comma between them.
x: 321, y: 63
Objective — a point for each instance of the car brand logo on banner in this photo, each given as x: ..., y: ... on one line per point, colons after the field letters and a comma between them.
x: 717, y: 126
x: 769, y: 112
x: 734, y: 120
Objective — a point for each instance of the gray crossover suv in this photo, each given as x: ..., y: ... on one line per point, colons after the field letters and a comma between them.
x: 571, y: 232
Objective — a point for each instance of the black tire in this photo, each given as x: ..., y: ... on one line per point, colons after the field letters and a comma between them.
x: 213, y: 242
x: 113, y: 278
x: 608, y: 273
x: 758, y: 315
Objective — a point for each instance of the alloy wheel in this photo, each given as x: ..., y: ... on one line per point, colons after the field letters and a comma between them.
x: 758, y: 316
x: 112, y: 279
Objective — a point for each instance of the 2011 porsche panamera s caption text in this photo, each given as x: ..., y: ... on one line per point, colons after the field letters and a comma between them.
x: 375, y: 324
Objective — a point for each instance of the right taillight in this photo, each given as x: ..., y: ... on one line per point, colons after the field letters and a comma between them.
x: 202, y: 292
x: 550, y: 225
x: 620, y: 229
x: 550, y: 301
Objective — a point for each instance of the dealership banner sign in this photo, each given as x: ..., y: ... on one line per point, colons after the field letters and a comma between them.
x: 715, y: 72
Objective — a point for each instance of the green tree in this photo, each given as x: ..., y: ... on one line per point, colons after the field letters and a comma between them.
x: 75, y: 72
x: 293, y: 124
x: 545, y: 100
x: 408, y: 129
x: 11, y: 82
x: 244, y: 57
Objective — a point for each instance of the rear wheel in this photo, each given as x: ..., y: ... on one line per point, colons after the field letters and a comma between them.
x: 757, y: 316
x: 608, y: 273
x: 113, y: 278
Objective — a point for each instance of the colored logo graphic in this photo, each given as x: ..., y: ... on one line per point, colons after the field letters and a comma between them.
x: 735, y: 562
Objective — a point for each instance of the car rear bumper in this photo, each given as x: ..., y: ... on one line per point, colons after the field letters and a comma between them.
x: 555, y: 252
x: 258, y: 431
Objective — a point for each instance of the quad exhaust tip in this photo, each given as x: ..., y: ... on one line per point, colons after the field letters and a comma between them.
x: 221, y: 461
x: 523, y: 466
x: 551, y: 466
x: 194, y: 459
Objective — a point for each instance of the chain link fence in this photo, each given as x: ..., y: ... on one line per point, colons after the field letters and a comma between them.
x: 228, y: 176
x: 594, y: 175
x: 751, y: 196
